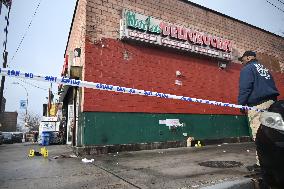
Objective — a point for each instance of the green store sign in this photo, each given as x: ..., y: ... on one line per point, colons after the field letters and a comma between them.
x: 144, y: 28
x: 146, y: 24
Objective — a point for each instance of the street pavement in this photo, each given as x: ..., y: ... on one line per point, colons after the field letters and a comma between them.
x: 176, y: 168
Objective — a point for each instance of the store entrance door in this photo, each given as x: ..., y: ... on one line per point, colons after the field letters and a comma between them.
x: 70, y: 123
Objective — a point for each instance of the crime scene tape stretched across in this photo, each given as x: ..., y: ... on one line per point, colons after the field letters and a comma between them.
x: 106, y: 87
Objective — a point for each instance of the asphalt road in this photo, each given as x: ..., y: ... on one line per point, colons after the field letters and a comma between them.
x: 168, y: 168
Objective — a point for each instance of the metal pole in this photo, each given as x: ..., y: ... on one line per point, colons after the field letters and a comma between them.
x: 5, y: 56
x: 27, y: 103
x: 48, y: 104
x: 26, y: 116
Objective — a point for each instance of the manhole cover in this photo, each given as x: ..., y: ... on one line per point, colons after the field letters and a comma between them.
x: 221, y: 164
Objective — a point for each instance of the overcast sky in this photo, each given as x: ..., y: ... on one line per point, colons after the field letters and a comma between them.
x: 259, y: 13
x: 43, y: 48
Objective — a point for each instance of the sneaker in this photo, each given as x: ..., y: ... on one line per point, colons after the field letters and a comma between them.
x: 254, y: 168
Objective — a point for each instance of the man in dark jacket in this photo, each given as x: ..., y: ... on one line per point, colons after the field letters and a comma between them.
x: 256, y: 89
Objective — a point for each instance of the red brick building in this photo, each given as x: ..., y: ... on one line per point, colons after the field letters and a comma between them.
x: 8, y: 121
x: 174, y: 47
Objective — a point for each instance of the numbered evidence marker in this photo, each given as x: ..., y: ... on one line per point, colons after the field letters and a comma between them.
x: 32, y: 153
x: 44, y: 152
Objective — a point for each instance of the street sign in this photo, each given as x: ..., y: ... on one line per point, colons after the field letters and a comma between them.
x: 23, y: 104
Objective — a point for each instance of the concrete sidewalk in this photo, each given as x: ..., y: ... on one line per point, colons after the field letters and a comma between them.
x: 179, y: 167
x: 167, y: 168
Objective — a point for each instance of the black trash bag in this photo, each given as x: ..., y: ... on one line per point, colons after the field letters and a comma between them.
x: 38, y: 153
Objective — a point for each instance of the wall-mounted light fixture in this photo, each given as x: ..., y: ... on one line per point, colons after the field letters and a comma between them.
x: 222, y: 65
x: 178, y: 74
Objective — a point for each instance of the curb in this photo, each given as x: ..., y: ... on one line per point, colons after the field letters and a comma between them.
x: 237, y: 184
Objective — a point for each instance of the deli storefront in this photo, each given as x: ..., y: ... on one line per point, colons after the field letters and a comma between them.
x: 158, y: 46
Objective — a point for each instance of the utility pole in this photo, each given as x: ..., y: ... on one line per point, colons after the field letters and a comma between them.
x: 5, y: 57
x: 50, y: 100
x: 48, y: 104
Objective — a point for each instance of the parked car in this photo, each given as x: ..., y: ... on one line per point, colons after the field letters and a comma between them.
x: 8, y: 138
x: 270, y: 145
x: 1, y: 138
x: 17, y: 137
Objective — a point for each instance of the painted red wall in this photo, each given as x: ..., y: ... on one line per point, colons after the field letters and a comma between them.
x: 153, y: 68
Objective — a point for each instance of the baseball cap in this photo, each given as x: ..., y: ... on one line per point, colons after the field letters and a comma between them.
x: 247, y: 53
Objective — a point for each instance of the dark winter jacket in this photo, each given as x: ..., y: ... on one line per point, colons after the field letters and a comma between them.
x: 256, y: 84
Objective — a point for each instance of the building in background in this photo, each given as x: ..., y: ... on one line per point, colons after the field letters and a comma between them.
x: 3, y: 105
x: 175, y: 47
x: 8, y: 121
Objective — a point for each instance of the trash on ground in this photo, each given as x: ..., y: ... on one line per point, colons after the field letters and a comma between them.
x: 224, y: 151
x: 37, y: 153
x: 65, y: 156
x: 85, y: 160
x: 189, y: 141
x: 247, y: 150
x: 219, y: 144
x: 195, y: 186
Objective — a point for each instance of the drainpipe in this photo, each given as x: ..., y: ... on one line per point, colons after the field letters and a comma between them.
x: 75, y: 117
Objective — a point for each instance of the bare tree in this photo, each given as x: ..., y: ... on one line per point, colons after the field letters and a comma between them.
x: 19, y: 128
x: 31, y: 120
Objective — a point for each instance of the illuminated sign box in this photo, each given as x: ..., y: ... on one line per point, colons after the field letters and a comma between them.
x: 49, y: 119
x: 151, y: 30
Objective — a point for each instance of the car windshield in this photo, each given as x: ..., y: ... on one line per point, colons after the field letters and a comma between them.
x: 7, y: 134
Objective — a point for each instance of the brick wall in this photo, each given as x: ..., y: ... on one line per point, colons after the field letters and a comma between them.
x: 8, y: 121
x: 77, y: 38
x: 153, y: 68
x: 103, y: 21
x: 78, y: 33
